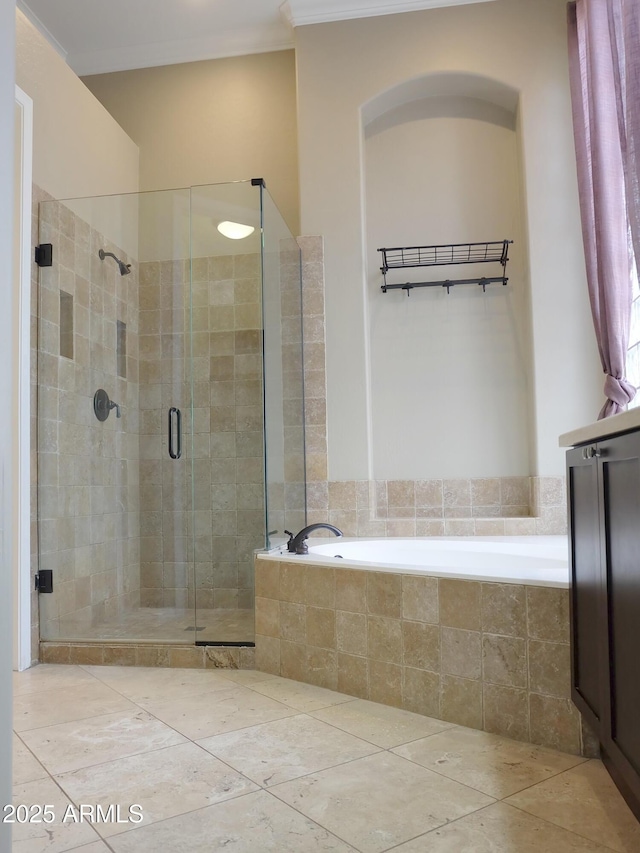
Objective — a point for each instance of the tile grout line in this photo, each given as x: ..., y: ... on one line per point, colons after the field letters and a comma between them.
x: 436, y: 828
x: 496, y: 798
x: 264, y: 787
x: 76, y: 805
x: 47, y: 689
x: 559, y: 826
x: 306, y: 817
x: 491, y: 805
x: 238, y: 797
x: 31, y: 752
x: 79, y: 719
x: 53, y: 779
x: 350, y: 843
x: 386, y: 748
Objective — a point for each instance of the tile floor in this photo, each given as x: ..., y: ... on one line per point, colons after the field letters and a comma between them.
x: 163, y: 624
x: 246, y: 762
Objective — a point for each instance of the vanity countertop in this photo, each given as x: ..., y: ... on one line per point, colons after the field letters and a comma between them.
x: 624, y: 422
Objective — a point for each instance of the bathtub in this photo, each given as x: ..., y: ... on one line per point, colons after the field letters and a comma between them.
x: 472, y: 630
x: 530, y: 560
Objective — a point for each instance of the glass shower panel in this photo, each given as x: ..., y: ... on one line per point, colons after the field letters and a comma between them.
x: 170, y: 411
x: 112, y: 512
x: 226, y: 341
x: 283, y: 376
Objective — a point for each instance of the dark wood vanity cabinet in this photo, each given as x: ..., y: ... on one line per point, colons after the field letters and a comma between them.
x: 604, y: 534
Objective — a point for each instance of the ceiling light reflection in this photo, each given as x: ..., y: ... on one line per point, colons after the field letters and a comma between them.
x: 235, y: 230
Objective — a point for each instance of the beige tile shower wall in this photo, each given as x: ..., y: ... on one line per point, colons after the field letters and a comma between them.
x: 164, y: 536
x: 293, y: 498
x: 315, y: 378
x: 495, y: 506
x: 87, y: 471
x: 228, y: 469
x: 486, y: 655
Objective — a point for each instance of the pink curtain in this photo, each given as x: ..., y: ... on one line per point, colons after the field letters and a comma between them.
x: 628, y: 34
x: 604, y: 64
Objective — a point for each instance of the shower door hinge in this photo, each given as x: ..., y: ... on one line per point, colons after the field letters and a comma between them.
x: 258, y: 182
x: 44, y: 255
x: 44, y: 580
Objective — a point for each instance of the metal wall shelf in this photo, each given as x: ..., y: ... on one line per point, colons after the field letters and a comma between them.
x: 406, y: 257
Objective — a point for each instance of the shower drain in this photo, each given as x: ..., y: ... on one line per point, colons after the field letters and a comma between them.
x: 195, y: 628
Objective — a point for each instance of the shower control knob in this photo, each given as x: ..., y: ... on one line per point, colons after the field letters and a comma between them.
x: 102, y: 405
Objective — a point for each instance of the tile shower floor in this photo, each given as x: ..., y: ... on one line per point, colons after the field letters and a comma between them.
x: 165, y: 624
x: 245, y: 762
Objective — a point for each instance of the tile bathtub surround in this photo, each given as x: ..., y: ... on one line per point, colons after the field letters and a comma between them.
x: 255, y: 762
x: 442, y: 507
x: 489, y: 656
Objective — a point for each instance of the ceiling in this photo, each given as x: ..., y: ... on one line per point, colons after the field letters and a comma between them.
x: 99, y: 36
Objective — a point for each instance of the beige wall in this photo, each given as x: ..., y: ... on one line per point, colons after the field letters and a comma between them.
x: 211, y: 122
x: 79, y: 150
x: 446, y: 178
x: 342, y: 66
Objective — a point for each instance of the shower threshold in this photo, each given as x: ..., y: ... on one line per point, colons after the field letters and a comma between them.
x: 148, y: 653
x: 157, y: 636
x: 164, y: 625
x: 151, y: 653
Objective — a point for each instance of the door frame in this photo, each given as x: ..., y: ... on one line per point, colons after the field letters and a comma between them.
x: 22, y: 391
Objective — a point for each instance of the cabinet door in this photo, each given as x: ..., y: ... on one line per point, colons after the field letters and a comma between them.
x: 620, y: 487
x: 587, y: 590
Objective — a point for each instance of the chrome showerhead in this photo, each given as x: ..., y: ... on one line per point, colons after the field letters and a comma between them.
x: 125, y: 269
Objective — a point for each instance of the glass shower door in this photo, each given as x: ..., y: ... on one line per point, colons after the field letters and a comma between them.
x: 166, y: 550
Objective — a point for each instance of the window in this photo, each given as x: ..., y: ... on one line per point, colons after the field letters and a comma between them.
x: 633, y: 351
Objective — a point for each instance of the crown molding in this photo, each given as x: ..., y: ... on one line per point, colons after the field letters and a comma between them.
x: 37, y: 23
x: 302, y: 12
x: 227, y: 44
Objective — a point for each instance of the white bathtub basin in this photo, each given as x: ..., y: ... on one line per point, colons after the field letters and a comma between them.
x: 537, y: 560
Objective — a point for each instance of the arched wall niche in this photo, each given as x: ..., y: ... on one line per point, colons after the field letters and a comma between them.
x: 450, y: 374
x: 447, y: 84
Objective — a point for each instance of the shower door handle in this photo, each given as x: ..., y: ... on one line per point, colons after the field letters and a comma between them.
x: 177, y: 452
